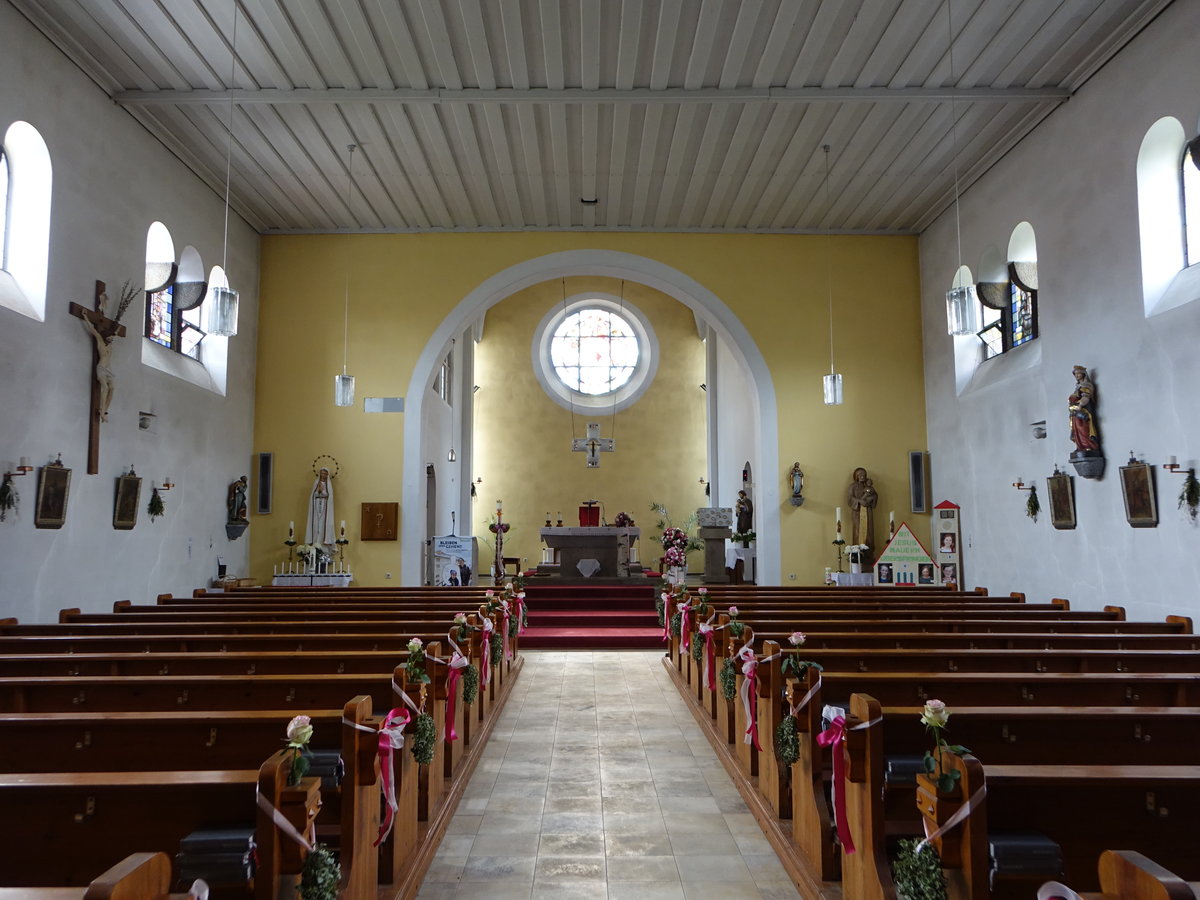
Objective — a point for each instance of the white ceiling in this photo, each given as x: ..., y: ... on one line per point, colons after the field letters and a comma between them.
x: 680, y: 115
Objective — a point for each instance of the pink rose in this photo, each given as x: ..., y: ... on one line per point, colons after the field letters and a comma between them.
x: 796, y: 638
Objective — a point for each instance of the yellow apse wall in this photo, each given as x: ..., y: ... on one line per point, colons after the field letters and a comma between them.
x: 661, y: 439
x: 403, y: 286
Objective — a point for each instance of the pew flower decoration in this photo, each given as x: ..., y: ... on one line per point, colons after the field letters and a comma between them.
x: 299, y: 733
x: 424, y: 738
x: 793, y: 664
x: 1032, y: 505
x: 1189, y: 496
x: 8, y: 496
x: 917, y: 872
x: 461, y: 626
x: 935, y: 717
x: 416, y: 662
x: 736, y: 627
x: 321, y: 875
x: 155, y: 507
x: 728, y: 678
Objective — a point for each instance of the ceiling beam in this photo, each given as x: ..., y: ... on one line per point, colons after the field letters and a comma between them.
x: 600, y: 95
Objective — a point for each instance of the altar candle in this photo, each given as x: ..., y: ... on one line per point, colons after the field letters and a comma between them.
x: 499, y: 507
x: 839, y: 523
x: 25, y: 461
x: 892, y: 520
x: 1172, y: 461
x: 291, y: 529
x: 343, y: 527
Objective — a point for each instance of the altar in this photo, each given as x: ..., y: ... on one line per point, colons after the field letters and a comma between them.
x: 591, y: 552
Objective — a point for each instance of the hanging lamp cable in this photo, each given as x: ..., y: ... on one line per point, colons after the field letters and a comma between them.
x: 954, y: 136
x: 346, y: 312
x: 229, y: 143
x: 828, y: 260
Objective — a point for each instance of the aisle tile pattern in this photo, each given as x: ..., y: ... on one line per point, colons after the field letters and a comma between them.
x: 597, y: 783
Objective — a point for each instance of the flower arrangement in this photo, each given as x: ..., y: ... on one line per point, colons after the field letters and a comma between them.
x: 855, y: 552
x: 495, y: 527
x: 1032, y: 506
x: 623, y: 520
x: 736, y: 627
x: 8, y: 496
x: 676, y: 542
x: 311, y: 554
x: 1189, y: 496
x: 461, y: 626
x: 935, y: 717
x: 299, y: 733
x: 155, y: 507
x: 744, y: 537
x: 415, y: 667
x: 321, y: 875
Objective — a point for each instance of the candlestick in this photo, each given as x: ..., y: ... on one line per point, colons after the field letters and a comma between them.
x: 499, y: 507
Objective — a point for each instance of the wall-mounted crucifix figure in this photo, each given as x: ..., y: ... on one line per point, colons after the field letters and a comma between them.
x: 103, y: 331
x: 593, y: 445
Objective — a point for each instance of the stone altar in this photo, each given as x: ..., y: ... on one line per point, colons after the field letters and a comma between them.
x: 608, y: 545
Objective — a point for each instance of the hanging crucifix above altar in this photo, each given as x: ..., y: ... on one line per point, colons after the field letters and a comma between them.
x: 103, y: 331
x: 593, y: 445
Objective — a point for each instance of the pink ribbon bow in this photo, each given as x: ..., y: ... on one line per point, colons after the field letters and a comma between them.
x: 749, y: 691
x: 685, y: 626
x: 833, y: 737
x: 710, y: 655
x: 458, y: 662
x: 391, y: 739
x: 485, y: 664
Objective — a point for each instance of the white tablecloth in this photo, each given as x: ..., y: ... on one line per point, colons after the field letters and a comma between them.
x: 339, y: 580
x: 849, y: 579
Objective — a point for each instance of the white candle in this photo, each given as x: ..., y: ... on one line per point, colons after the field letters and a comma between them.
x: 25, y: 461
x: 499, y: 507
x: 343, y: 527
x: 1172, y: 461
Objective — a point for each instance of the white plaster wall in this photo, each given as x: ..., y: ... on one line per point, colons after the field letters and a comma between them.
x: 737, y: 426
x: 112, y: 178
x: 1074, y: 180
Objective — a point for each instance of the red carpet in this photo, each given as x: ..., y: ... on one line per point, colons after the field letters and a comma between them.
x: 591, y: 617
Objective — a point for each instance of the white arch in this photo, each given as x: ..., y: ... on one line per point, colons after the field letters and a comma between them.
x: 612, y: 264
x: 23, y: 283
x: 1160, y: 212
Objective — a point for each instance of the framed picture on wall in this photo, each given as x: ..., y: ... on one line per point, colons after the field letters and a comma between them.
x: 1137, y: 487
x: 54, y: 486
x: 125, y: 509
x: 1061, y: 492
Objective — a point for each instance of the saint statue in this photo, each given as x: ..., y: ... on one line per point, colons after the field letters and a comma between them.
x: 237, y: 501
x: 745, y: 513
x: 862, y: 498
x: 104, y: 373
x: 320, y: 512
x: 1081, y: 406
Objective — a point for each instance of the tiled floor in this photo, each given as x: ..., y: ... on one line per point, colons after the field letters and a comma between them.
x: 597, y: 783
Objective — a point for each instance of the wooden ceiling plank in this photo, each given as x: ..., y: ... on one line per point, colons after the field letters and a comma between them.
x: 530, y: 137
x: 865, y: 32
x: 505, y: 172
x: 372, y: 205
x: 514, y: 43
x: 476, y: 176
x: 770, y: 149
x: 664, y: 43
x: 795, y: 159
x: 677, y: 162
x: 982, y: 67
x: 448, y: 72
x: 589, y: 140
x: 361, y: 44
x: 911, y: 19
x: 560, y: 140
x: 1045, y: 41
x: 809, y: 187
x: 739, y: 43
x: 620, y: 155
x: 367, y: 125
x: 324, y: 44
x: 747, y: 126
x: 275, y: 30
x: 702, y: 175
x: 434, y: 135
x: 398, y: 46
x: 702, y: 45
x: 552, y: 45
x: 628, y: 43
x: 1104, y: 34
x: 171, y: 34
x: 824, y: 33
x: 76, y: 44
x: 978, y: 31
x: 412, y: 156
x: 646, y: 180
x: 589, y: 44
x: 779, y: 40
x: 478, y: 52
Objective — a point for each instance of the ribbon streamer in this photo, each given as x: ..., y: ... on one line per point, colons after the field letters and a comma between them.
x: 685, y: 630
x: 749, y: 692
x: 199, y: 889
x: 710, y: 659
x: 833, y: 736
x: 955, y: 820
x: 1056, y: 890
x: 281, y: 821
x: 504, y: 629
x: 666, y: 599
x: 457, y: 663
x: 520, y: 612
x: 485, y: 663
x: 391, y: 739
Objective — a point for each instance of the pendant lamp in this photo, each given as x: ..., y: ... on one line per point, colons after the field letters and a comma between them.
x: 223, y: 300
x: 343, y: 385
x: 831, y: 383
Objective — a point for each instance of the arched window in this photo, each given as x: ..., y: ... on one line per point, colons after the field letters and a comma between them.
x: 25, y: 181
x: 173, y: 293
x: 1190, y: 180
x: 595, y: 352
x: 1168, y: 217
x: 1009, y: 306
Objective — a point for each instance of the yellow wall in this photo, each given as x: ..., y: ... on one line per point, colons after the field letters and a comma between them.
x: 660, y: 452
x: 403, y: 286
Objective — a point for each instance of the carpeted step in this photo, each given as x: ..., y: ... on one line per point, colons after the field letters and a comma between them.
x: 545, y: 638
x: 596, y: 618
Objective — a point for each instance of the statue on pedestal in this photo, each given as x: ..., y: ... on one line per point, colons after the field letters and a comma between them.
x: 862, y: 498
x: 1087, y: 457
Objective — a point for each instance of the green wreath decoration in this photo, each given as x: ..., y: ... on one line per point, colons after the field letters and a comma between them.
x: 514, y: 626
x: 320, y: 876
x: 424, y: 738
x: 470, y: 680
x: 497, y: 649
x: 728, y: 678
x: 697, y: 648
x: 676, y: 624
x: 787, y: 741
x: 918, y: 876
x: 659, y: 608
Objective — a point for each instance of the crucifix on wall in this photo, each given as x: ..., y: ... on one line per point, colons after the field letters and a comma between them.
x: 593, y: 445
x: 103, y: 331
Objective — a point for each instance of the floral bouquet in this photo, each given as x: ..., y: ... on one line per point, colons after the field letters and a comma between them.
x: 299, y: 733
x: 935, y: 717
x: 674, y: 537
x: 792, y: 664
x: 416, y: 662
x: 623, y: 520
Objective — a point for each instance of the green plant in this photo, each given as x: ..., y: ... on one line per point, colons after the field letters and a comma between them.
x: 676, y: 624
x: 918, y: 875
x: 743, y: 537
x: 8, y: 496
x: 320, y: 876
x: 155, y: 507
x: 728, y: 678
x: 787, y: 741
x: 497, y: 653
x: 470, y: 684
x: 697, y: 647
x: 1189, y: 496
x: 1032, y: 506
x: 424, y: 739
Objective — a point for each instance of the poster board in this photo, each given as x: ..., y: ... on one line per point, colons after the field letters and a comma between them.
x: 947, y: 543
x: 904, y: 561
x: 455, y: 561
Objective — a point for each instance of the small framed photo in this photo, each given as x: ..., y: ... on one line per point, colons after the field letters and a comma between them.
x: 883, y: 573
x: 54, y: 486
x: 947, y: 543
x: 1137, y: 487
x: 949, y: 573
x: 925, y: 573
x: 1061, y: 493
x: 125, y: 509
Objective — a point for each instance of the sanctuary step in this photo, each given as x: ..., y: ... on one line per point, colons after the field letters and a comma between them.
x: 591, y: 617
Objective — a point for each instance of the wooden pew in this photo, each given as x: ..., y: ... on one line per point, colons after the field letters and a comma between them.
x: 139, y: 876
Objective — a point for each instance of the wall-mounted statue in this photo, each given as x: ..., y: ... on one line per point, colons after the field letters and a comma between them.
x: 862, y: 499
x: 235, y: 503
x: 744, y: 509
x: 1087, y: 457
x: 796, y: 482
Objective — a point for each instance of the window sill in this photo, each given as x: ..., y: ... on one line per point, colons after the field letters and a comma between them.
x: 1002, y: 369
x: 1183, y: 289
x: 183, y: 367
x: 12, y: 297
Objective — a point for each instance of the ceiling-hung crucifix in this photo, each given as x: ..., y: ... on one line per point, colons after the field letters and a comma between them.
x: 593, y: 445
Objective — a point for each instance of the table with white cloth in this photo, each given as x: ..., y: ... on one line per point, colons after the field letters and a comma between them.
x: 337, y: 579
x: 749, y: 558
x: 853, y: 579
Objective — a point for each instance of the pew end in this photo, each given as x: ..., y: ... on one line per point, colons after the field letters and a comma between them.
x: 1118, y: 611
x: 139, y: 876
x: 1128, y: 875
x: 280, y: 858
x: 866, y: 873
x: 1185, y: 621
x: 66, y: 615
x: 360, y: 800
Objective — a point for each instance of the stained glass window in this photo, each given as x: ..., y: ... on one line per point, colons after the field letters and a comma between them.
x: 594, y: 351
x: 1022, y: 322
x: 160, y: 317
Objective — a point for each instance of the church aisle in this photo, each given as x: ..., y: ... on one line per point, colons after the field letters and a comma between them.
x: 597, y: 783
